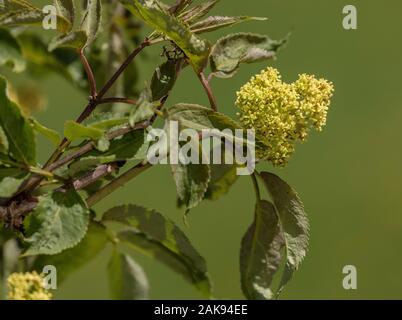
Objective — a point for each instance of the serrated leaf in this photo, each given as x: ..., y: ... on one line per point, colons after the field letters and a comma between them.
x: 71, y: 260
x: 59, y: 222
x: 260, y: 255
x: 10, y: 52
x: 74, y: 40
x: 156, y: 236
x: 127, y: 280
x: 74, y: 131
x: 51, y: 134
x: 191, y: 182
x: 293, y: 220
x: 231, y: 51
x: 198, y: 11
x: 20, y: 135
x: 152, y: 13
x: 92, y: 19
x: 66, y: 9
x: 217, y: 22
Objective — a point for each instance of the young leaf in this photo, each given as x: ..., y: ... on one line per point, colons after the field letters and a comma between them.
x: 92, y: 19
x: 199, y: 11
x: 59, y: 222
x: 10, y: 52
x: 293, y: 220
x: 229, y: 52
x: 51, y: 134
x: 72, y: 259
x: 217, y: 22
x: 179, y: 6
x: 260, y: 255
x: 191, y: 182
x: 20, y: 135
x: 74, y: 131
x: 75, y: 40
x: 127, y: 280
x: 154, y: 235
x: 66, y: 9
x: 152, y: 13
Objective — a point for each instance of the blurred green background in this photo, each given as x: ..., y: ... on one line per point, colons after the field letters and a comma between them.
x: 348, y: 176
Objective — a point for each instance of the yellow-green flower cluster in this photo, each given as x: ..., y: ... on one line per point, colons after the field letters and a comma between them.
x: 282, y: 114
x: 27, y: 286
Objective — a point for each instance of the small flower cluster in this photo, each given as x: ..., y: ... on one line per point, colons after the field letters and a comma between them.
x: 282, y: 114
x: 27, y: 286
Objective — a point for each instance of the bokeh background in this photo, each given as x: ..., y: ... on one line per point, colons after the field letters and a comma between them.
x: 349, y: 176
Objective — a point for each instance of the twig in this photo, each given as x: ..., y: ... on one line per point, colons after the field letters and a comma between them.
x: 208, y: 90
x: 117, y: 99
x: 117, y: 183
x: 90, y: 177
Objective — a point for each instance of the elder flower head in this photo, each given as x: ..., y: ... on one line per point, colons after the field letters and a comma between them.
x: 27, y: 286
x: 282, y: 114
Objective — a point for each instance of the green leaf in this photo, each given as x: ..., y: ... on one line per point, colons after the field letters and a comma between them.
x: 59, y: 222
x: 293, y: 220
x: 74, y: 131
x: 260, y: 255
x: 51, y: 134
x: 20, y: 135
x: 223, y: 176
x: 198, y: 117
x: 217, y: 22
x: 131, y: 146
x: 66, y: 9
x: 199, y: 11
x: 191, y: 182
x: 10, y: 52
x: 154, y: 235
x: 92, y: 19
x: 151, y: 12
x: 10, y: 181
x: 106, y: 120
x: 127, y: 280
x: 3, y: 142
x: 71, y: 260
x: 179, y: 6
x: 75, y: 40
x: 231, y: 51
x: 164, y: 79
